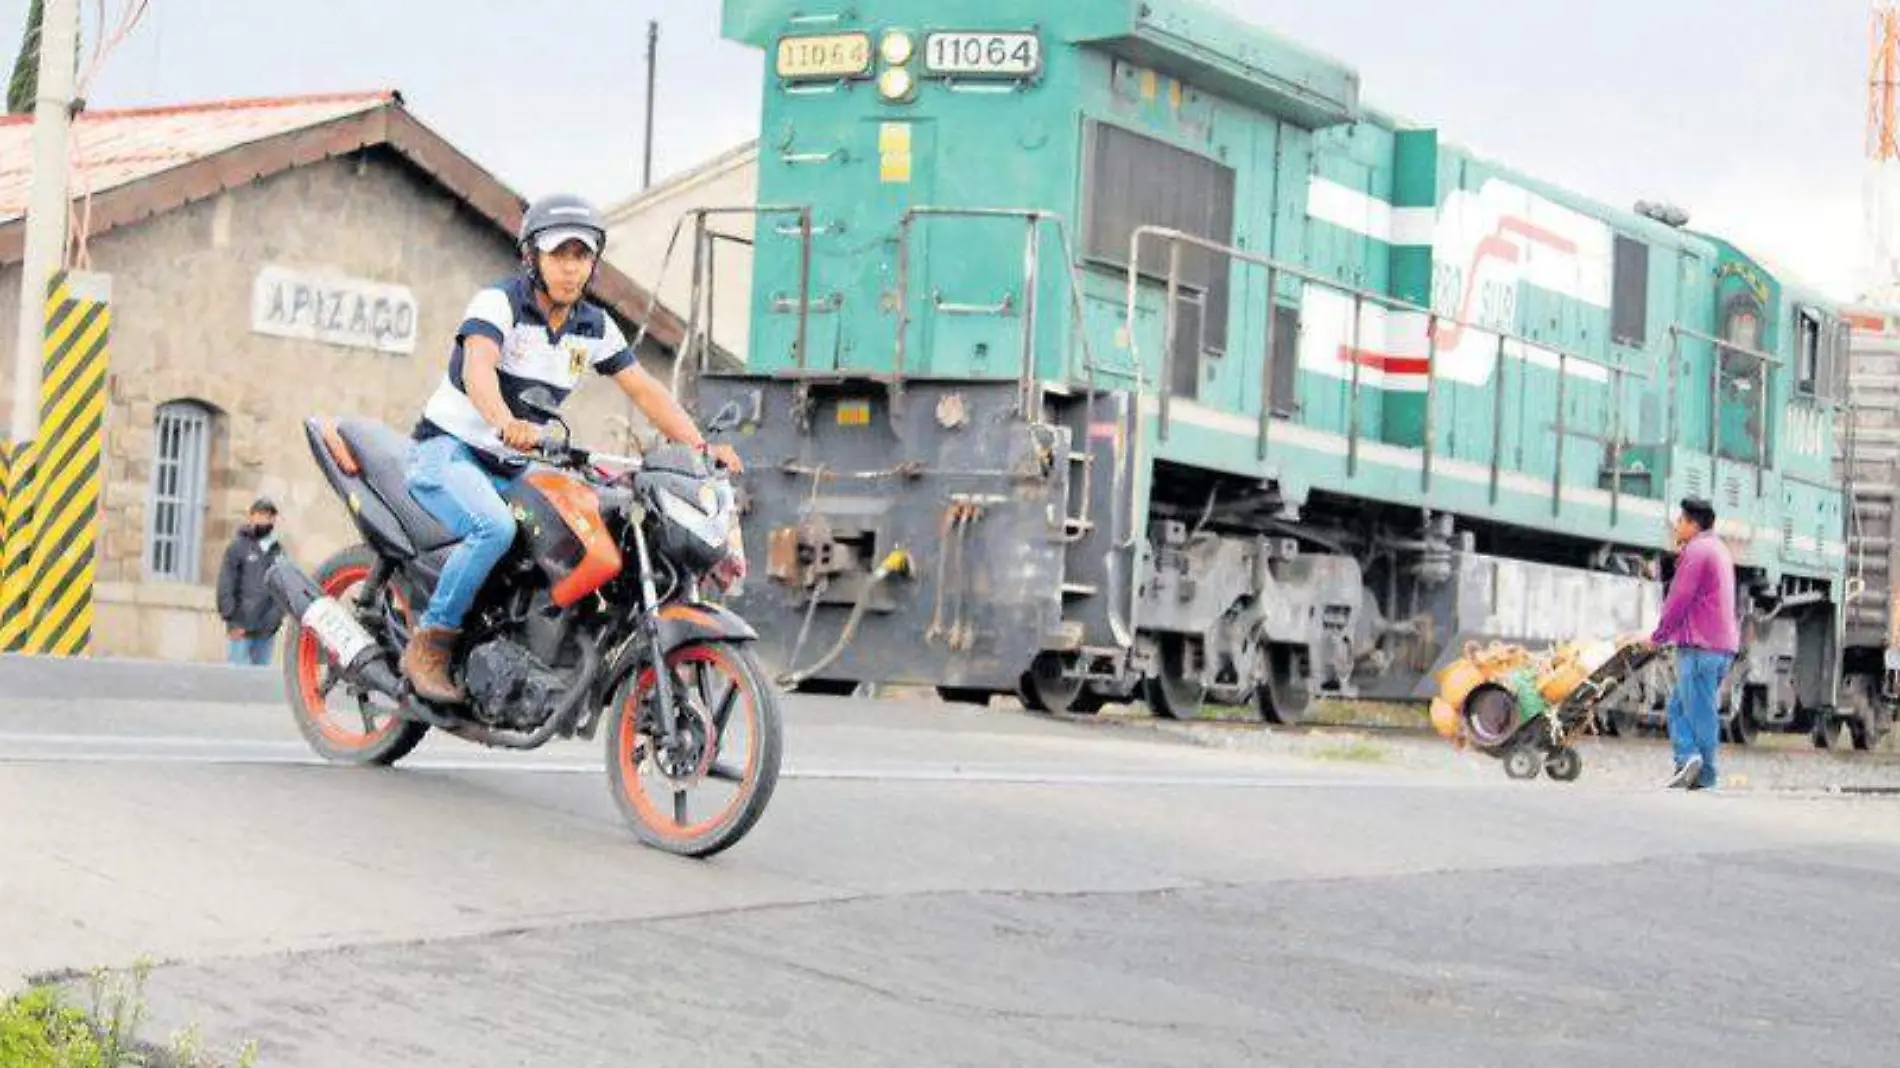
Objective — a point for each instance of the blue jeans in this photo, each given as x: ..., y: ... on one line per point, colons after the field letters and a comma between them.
x: 1695, y: 723
x: 446, y: 479
x: 251, y: 651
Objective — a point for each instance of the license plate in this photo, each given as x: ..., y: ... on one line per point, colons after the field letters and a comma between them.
x: 1011, y: 55
x: 838, y: 55
x: 337, y: 630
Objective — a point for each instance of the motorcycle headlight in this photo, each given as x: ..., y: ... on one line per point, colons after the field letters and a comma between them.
x: 706, y: 525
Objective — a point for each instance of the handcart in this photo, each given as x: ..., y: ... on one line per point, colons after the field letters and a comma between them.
x: 1527, y: 709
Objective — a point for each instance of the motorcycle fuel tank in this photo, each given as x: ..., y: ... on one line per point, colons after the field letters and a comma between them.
x: 559, y: 517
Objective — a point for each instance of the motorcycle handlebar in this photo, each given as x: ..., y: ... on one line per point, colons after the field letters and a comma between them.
x: 550, y: 450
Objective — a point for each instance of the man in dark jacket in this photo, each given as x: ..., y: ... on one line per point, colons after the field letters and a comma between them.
x: 251, y: 617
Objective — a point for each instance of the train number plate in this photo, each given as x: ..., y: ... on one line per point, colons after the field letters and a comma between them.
x: 838, y: 55
x: 1005, y: 55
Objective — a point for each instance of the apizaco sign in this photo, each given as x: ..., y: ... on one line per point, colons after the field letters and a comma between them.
x: 351, y: 312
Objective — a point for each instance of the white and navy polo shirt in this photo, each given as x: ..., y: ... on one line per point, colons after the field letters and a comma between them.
x: 532, y: 354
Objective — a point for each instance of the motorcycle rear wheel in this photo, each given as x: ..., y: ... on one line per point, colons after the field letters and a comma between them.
x: 366, y: 735
x: 712, y: 682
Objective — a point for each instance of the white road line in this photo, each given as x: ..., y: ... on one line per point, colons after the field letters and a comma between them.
x: 119, y: 751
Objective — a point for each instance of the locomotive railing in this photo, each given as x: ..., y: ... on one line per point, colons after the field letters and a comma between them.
x: 1277, y: 269
x: 695, y: 347
x: 1763, y: 362
x: 696, y: 344
x: 1034, y: 221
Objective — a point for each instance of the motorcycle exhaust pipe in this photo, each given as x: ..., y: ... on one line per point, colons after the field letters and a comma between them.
x: 348, y: 643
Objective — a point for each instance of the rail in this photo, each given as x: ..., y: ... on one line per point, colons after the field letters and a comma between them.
x: 1276, y: 270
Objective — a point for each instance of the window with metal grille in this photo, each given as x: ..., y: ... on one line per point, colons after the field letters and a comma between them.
x: 1629, y: 315
x: 1809, y: 354
x: 1843, y: 354
x: 1284, y: 374
x: 181, y: 466
x: 1135, y: 181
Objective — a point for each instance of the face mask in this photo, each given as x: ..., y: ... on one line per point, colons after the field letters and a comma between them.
x: 262, y: 530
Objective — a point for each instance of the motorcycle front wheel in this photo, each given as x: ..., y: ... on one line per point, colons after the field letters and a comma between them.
x: 701, y: 795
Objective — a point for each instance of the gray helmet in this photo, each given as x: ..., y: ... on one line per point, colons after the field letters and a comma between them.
x: 555, y: 220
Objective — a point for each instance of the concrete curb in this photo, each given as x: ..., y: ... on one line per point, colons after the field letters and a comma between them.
x: 52, y: 678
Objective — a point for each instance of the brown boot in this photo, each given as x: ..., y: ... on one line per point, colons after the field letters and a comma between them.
x: 426, y: 663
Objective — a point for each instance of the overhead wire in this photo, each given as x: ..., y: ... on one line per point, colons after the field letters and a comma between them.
x: 78, y: 250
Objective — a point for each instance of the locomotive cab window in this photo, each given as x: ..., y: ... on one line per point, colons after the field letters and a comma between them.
x: 1807, y: 366
x: 1843, y: 352
x: 1630, y: 299
x: 1135, y: 181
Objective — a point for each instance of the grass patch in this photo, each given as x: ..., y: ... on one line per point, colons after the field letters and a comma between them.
x: 1406, y: 714
x: 42, y: 1028
x: 1358, y: 751
x: 1213, y: 713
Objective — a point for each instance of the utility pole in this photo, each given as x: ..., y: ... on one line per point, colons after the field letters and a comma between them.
x: 46, y: 210
x: 653, y: 60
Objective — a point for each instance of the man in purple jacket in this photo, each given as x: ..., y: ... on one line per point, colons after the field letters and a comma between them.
x: 1698, y: 618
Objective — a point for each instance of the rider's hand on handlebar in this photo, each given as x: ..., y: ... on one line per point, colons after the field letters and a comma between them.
x: 521, y: 435
x: 724, y: 456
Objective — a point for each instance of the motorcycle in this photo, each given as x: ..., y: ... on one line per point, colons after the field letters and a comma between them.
x: 598, y: 611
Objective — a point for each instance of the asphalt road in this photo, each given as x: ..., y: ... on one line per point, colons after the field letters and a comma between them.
x: 937, y: 886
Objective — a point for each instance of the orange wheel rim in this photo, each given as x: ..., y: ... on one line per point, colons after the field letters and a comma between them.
x: 745, y: 704
x: 311, y: 660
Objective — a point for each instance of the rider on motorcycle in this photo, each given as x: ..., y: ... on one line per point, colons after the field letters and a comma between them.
x: 534, y: 328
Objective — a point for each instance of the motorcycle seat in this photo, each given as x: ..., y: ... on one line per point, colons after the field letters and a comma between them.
x: 383, y: 455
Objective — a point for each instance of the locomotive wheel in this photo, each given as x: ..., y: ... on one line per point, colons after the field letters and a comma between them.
x: 1564, y: 765
x: 1743, y: 727
x: 1287, y: 697
x: 1172, y: 698
x: 1046, y: 688
x: 1522, y: 763
x: 1174, y: 693
x: 1828, y: 732
x: 1870, y: 728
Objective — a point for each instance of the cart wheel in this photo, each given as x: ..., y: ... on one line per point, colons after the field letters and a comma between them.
x: 1522, y: 763
x: 1564, y: 765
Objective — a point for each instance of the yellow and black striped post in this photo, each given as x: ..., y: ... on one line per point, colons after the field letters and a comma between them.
x: 52, y: 504
x: 16, y: 535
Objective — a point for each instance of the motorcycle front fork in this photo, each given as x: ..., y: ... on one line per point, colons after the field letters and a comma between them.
x: 650, y: 625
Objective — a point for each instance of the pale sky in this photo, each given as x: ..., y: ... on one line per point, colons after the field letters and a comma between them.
x: 1749, y: 113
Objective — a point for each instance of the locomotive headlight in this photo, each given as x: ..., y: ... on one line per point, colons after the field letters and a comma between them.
x: 895, y: 84
x: 897, y: 48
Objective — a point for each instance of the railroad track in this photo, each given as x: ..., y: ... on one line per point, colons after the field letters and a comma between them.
x: 1788, y: 746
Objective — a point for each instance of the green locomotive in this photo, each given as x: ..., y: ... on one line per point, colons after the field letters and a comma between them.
x: 1111, y: 348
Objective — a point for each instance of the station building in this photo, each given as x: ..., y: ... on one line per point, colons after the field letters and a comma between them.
x: 267, y: 260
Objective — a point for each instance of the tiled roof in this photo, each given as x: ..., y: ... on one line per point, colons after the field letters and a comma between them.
x: 117, y: 148
x: 139, y: 162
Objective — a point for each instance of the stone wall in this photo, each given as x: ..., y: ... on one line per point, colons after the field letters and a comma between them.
x: 182, y: 330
